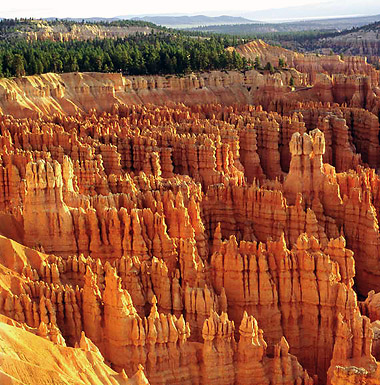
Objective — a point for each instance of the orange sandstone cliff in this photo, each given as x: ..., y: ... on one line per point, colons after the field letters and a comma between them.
x: 216, y: 228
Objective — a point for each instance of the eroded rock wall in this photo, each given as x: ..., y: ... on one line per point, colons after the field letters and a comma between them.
x: 192, y: 243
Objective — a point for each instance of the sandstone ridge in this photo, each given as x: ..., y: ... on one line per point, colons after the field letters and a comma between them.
x: 170, y: 231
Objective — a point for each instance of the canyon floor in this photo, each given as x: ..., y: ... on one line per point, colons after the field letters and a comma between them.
x: 217, y: 228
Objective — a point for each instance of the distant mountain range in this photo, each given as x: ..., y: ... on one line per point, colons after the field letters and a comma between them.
x: 319, y: 16
x: 319, y: 10
x: 170, y: 21
x: 337, y: 24
x: 191, y: 21
x: 331, y: 9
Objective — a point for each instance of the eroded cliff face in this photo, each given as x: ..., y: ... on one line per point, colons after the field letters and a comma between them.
x: 310, y: 64
x: 37, y: 355
x: 40, y: 30
x: 363, y: 42
x: 325, y: 79
x: 48, y: 94
x: 189, y: 243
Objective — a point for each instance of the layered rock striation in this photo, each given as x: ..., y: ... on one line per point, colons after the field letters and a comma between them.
x: 189, y: 243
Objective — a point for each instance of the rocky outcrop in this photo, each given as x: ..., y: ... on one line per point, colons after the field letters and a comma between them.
x: 44, y: 205
x: 253, y: 364
x: 50, y: 94
x: 54, y: 363
x: 93, y: 195
x: 40, y: 30
x: 310, y: 64
x: 353, y: 346
x: 164, y: 236
x: 325, y: 78
x: 362, y: 41
x: 277, y: 285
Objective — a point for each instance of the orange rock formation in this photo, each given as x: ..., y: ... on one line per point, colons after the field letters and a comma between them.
x: 212, y: 241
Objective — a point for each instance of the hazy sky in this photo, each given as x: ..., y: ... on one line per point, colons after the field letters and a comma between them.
x: 110, y: 8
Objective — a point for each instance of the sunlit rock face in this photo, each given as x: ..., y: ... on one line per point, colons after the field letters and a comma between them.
x: 218, y: 228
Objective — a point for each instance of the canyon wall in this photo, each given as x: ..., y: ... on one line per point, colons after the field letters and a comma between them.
x: 215, y: 228
x: 41, y: 30
x: 171, y: 235
x: 310, y: 64
x: 316, y: 79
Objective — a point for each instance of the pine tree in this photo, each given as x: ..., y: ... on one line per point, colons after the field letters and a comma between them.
x: 18, y: 65
x: 281, y: 63
x: 269, y: 67
x: 257, y: 63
